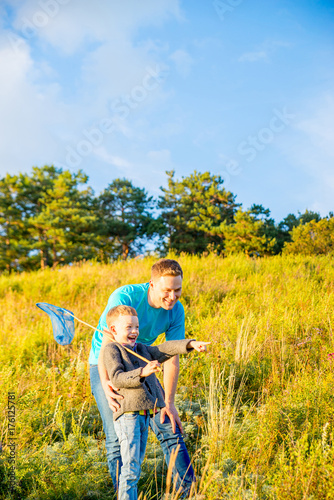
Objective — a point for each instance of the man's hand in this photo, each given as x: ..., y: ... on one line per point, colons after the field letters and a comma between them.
x: 108, y: 389
x: 173, y: 415
x: 111, y: 395
x: 171, y: 373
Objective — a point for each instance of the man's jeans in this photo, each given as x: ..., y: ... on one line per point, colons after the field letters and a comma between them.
x: 182, y: 471
x: 132, y: 431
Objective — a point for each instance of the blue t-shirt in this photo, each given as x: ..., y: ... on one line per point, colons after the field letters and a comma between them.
x: 152, y: 321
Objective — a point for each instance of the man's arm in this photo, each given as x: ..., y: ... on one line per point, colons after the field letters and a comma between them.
x: 171, y: 370
x: 109, y: 391
x: 171, y: 375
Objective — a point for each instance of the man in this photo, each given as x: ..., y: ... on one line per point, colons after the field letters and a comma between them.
x: 159, y: 311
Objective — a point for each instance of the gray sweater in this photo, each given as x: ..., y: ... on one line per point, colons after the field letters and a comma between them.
x: 124, y: 368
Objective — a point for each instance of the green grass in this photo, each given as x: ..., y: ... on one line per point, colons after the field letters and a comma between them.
x: 258, y: 409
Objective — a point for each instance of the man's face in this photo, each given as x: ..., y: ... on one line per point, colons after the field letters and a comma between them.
x: 125, y: 329
x: 165, y: 291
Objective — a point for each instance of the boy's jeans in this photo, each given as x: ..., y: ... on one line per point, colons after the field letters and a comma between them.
x: 132, y: 431
x: 183, y: 471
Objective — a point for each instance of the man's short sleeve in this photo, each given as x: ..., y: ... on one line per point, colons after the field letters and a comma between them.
x: 176, y: 330
x: 117, y: 298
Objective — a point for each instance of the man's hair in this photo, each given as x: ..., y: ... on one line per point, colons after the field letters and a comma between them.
x: 117, y: 311
x: 166, y: 267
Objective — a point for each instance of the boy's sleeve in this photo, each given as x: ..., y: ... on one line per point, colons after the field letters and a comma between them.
x: 121, y: 379
x: 176, y: 330
x: 167, y: 350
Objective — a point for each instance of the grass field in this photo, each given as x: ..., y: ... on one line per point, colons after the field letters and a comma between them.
x: 258, y: 409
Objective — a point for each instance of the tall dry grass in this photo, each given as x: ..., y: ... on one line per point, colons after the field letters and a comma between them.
x: 258, y: 409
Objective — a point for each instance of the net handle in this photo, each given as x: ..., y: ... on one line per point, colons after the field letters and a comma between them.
x: 110, y: 338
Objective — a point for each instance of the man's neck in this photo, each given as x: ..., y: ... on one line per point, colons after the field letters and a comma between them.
x: 150, y: 299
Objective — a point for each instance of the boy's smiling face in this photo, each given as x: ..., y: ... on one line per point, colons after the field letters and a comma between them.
x: 125, y: 329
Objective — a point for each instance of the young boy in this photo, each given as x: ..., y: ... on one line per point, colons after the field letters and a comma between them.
x: 143, y: 395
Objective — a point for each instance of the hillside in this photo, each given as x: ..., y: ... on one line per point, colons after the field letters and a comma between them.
x: 258, y: 409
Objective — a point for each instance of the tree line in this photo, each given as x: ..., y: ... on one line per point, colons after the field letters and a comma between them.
x: 52, y: 217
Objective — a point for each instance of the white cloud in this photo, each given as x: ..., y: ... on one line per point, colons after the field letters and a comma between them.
x: 264, y: 52
x: 162, y: 157
x: 28, y: 111
x: 145, y: 169
x: 116, y: 161
x: 310, y: 148
x: 74, y: 23
x: 319, y: 128
x: 254, y: 56
x: 183, y: 62
x: 38, y: 124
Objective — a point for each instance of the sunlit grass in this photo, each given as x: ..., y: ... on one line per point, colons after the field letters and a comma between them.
x: 258, y: 409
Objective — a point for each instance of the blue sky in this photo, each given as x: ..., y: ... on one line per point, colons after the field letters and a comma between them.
x: 244, y: 89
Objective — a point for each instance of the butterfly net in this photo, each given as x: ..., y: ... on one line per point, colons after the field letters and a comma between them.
x: 62, y: 322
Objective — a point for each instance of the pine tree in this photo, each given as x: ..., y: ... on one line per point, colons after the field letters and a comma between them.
x: 312, y: 238
x: 45, y: 219
x: 126, y: 218
x: 62, y: 224
x: 195, y: 210
x: 249, y: 234
x: 286, y: 226
x: 12, y: 224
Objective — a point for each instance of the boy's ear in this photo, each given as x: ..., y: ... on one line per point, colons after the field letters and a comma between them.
x: 112, y: 330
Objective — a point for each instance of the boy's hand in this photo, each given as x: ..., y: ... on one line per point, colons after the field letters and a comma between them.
x: 151, y: 367
x: 198, y: 345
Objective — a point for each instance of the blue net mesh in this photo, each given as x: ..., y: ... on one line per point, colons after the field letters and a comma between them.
x: 62, y: 322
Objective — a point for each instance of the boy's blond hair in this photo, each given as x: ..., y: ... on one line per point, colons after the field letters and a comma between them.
x: 117, y: 311
x: 166, y: 267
